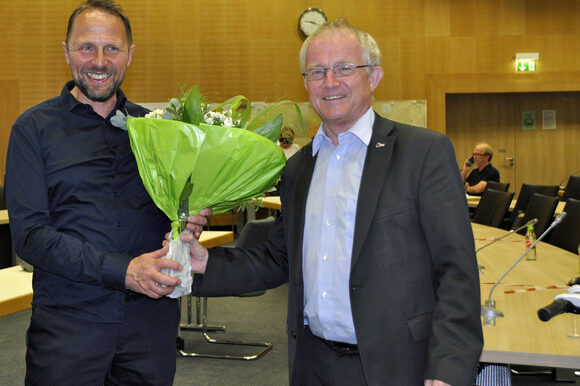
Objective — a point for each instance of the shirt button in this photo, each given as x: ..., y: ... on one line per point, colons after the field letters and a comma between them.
x: 338, y: 156
x: 325, y: 294
x: 328, y: 328
x: 331, y: 190
x: 328, y: 223
x: 325, y: 257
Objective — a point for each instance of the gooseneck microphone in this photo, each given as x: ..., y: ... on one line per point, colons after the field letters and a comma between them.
x: 512, y: 231
x: 488, y: 310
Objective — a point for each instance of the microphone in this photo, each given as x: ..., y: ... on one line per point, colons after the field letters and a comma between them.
x: 574, y: 281
x: 512, y: 231
x: 562, y: 303
x: 488, y: 310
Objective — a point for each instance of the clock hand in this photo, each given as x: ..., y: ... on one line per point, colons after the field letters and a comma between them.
x: 312, y: 22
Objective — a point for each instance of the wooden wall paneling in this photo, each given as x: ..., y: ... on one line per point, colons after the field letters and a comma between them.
x: 475, y: 118
x: 548, y: 156
x: 541, y: 156
x: 9, y: 89
x: 251, y: 47
x: 439, y: 85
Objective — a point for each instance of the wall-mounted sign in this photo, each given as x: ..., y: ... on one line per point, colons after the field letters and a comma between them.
x: 528, y: 120
x: 527, y: 62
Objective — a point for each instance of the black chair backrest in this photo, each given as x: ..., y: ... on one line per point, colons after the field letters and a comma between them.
x: 526, y: 192
x: 541, y: 207
x: 572, y: 189
x: 492, y: 207
x: 255, y: 232
x: 567, y: 234
x: 501, y: 186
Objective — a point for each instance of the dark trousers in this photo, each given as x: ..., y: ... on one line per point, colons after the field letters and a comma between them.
x: 140, y: 351
x: 319, y: 363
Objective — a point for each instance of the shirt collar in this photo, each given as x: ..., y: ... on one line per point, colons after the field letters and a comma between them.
x: 362, y: 129
x: 70, y: 103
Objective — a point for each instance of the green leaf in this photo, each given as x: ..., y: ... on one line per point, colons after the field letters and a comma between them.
x: 193, y: 109
x: 271, y: 129
x: 120, y: 120
x: 277, y: 108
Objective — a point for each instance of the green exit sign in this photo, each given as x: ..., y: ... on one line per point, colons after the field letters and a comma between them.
x: 526, y: 66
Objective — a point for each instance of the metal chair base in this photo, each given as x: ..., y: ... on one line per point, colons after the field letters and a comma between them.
x: 204, y: 327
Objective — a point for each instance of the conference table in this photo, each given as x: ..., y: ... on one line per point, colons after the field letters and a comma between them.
x: 16, y: 283
x: 4, y: 217
x: 520, y: 337
x: 272, y: 202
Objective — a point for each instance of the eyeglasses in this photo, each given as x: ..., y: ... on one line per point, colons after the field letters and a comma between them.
x: 481, y: 155
x: 340, y: 70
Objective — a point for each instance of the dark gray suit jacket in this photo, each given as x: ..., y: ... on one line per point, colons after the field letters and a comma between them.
x: 414, y: 284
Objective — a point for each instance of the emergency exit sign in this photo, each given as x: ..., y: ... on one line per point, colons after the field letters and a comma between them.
x: 526, y: 66
x: 527, y: 61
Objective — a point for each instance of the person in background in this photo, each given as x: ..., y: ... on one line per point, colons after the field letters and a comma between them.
x: 81, y: 216
x: 286, y: 142
x: 481, y: 170
x: 374, y: 239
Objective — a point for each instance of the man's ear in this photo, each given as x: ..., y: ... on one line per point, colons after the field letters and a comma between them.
x: 66, y: 56
x: 377, y: 74
x: 131, y: 50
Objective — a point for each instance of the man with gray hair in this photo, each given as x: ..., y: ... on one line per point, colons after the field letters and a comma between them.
x: 374, y: 239
x: 478, y: 170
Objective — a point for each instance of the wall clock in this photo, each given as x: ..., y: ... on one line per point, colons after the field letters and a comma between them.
x: 310, y: 20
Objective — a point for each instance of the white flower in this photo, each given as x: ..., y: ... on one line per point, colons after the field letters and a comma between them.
x: 156, y: 114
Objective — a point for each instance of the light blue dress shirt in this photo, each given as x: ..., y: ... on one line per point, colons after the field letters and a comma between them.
x: 329, y: 229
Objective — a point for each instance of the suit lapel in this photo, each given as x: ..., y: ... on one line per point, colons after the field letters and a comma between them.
x: 376, y: 167
x: 303, y: 178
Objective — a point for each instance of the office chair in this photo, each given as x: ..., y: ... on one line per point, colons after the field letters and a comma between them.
x: 501, y: 186
x: 572, y: 189
x: 252, y: 234
x: 567, y: 234
x: 541, y: 207
x: 492, y: 207
x: 526, y: 192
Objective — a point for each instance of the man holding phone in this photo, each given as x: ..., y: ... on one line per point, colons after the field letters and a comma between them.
x: 477, y: 170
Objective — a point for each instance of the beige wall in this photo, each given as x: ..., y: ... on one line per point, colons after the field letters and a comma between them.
x: 250, y: 47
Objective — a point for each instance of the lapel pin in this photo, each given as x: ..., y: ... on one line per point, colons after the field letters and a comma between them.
x: 379, y: 145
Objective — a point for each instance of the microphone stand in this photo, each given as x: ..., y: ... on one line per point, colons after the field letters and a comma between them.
x: 488, y: 310
x: 531, y: 222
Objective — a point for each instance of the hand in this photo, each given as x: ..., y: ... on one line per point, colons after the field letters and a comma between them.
x: 143, y: 274
x: 195, y: 223
x: 199, y: 254
x: 429, y: 382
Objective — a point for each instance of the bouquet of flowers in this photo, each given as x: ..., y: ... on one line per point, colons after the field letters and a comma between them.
x: 196, y: 154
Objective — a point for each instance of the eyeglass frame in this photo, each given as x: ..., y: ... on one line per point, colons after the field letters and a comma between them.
x: 479, y: 154
x: 334, y: 70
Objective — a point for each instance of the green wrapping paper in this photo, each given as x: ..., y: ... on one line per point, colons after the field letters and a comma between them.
x: 227, y: 166
x: 234, y: 166
x: 166, y: 152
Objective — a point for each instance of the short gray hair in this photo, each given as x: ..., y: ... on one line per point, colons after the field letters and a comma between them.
x: 370, y: 49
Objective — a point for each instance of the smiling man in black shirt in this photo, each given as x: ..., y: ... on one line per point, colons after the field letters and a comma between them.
x: 81, y: 216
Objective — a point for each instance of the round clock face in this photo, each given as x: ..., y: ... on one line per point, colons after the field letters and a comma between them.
x: 310, y: 20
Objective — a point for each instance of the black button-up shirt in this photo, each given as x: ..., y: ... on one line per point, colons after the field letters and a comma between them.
x: 78, y: 209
